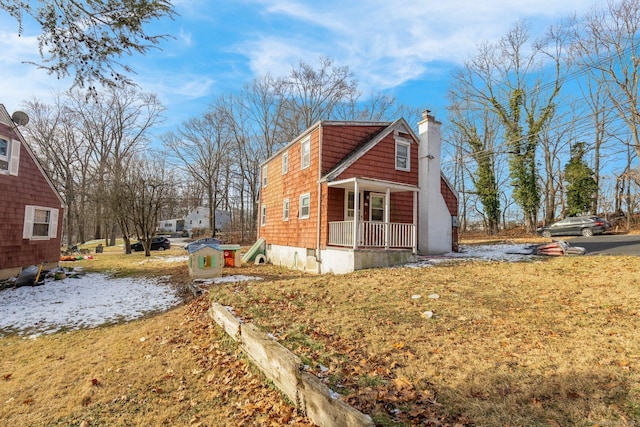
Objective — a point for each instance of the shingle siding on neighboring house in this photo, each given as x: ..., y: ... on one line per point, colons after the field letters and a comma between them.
x: 29, y: 187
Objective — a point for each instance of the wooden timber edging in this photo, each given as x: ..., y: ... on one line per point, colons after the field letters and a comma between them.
x: 310, y: 395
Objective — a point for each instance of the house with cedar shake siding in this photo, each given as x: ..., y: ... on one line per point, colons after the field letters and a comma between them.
x: 345, y: 196
x: 31, y: 210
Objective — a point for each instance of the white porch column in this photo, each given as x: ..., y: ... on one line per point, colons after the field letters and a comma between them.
x: 414, y: 236
x: 387, y: 217
x: 356, y: 214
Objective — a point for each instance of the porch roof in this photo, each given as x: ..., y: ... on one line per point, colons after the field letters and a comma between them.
x: 371, y: 184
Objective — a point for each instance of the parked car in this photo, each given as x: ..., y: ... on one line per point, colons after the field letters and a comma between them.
x: 157, y: 243
x: 203, y: 241
x: 576, y: 225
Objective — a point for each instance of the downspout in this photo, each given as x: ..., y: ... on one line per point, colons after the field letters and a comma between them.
x: 319, y: 222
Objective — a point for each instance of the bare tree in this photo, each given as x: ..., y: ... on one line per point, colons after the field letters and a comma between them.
x: 202, y: 148
x: 312, y: 94
x: 143, y: 190
x: 56, y: 143
x: 608, y: 46
x: 509, y: 77
x: 477, y: 134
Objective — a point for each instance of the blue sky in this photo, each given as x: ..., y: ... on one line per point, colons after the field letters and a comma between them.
x: 403, y: 48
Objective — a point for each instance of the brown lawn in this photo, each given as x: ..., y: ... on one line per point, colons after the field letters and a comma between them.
x: 550, y: 342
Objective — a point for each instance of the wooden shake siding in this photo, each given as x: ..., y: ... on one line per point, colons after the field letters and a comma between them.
x: 338, y: 141
x: 452, y: 204
x: 294, y: 232
x: 379, y: 163
x: 28, y: 188
x: 449, y: 197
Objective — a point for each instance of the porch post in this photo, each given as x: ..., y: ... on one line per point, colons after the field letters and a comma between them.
x: 356, y: 198
x: 415, y: 222
x: 387, y: 217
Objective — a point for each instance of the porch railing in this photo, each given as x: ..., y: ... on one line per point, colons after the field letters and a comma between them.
x: 372, y: 234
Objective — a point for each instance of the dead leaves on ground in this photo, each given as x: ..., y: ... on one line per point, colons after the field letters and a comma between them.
x: 228, y: 375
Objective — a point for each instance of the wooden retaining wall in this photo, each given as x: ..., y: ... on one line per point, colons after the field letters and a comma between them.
x: 312, y: 397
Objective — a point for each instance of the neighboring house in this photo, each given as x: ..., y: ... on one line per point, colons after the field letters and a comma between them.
x: 31, y: 210
x: 344, y: 196
x: 199, y: 218
x: 171, y: 225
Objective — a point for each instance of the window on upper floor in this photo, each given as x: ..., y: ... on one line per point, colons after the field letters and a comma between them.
x: 403, y: 158
x: 305, y: 153
x: 285, y: 163
x: 9, y: 156
x: 40, y: 223
x: 285, y: 210
x: 264, y: 176
x: 305, y: 201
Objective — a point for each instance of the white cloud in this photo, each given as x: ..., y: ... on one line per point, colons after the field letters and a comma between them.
x: 391, y: 42
x: 22, y: 81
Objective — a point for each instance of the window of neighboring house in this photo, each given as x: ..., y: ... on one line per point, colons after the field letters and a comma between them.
x: 305, y: 199
x: 285, y: 163
x: 403, y: 160
x: 9, y: 156
x: 285, y: 210
x: 264, y: 176
x: 305, y: 153
x: 263, y: 215
x: 40, y: 223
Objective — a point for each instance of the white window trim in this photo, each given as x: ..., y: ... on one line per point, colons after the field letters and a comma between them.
x: 264, y: 176
x: 285, y: 209
x: 263, y: 215
x: 305, y: 142
x: 29, y: 214
x: 305, y: 196
x: 12, y: 157
x: 404, y: 143
x: 285, y: 163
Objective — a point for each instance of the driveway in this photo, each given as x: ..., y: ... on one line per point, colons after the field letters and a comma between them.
x: 609, y: 244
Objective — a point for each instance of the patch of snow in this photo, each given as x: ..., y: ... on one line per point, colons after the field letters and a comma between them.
x: 183, y: 258
x: 227, y: 279
x: 504, y: 252
x: 85, y: 302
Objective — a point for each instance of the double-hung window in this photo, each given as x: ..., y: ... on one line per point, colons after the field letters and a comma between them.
x: 285, y: 210
x: 264, y: 176
x: 403, y: 157
x: 305, y: 153
x: 305, y: 200
x: 263, y: 215
x: 40, y: 223
x: 285, y: 163
x: 9, y: 156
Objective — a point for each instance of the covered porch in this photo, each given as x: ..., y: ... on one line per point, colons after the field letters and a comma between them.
x: 367, y: 217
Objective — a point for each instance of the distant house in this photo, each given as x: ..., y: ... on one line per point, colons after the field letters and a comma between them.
x: 345, y: 196
x: 31, y: 210
x: 199, y: 218
x: 171, y: 225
